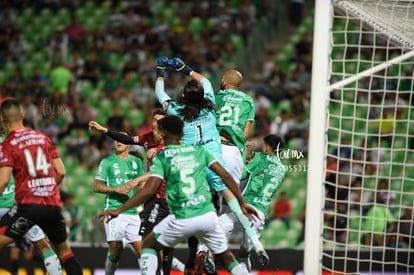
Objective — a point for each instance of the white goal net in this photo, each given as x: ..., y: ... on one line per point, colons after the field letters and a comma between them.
x: 367, y: 159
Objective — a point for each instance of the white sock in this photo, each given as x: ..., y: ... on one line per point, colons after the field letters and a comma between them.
x: 177, y: 265
x: 110, y: 265
x: 149, y: 261
x: 52, y: 263
x: 238, y: 269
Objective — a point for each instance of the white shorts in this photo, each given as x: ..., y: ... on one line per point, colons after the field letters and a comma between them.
x: 171, y: 231
x: 123, y: 227
x: 229, y: 222
x: 234, y: 161
x: 34, y: 234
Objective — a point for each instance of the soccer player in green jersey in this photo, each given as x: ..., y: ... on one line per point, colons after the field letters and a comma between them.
x: 265, y: 175
x: 113, y: 173
x: 192, y: 211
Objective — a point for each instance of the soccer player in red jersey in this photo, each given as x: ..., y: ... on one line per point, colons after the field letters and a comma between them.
x: 34, y: 161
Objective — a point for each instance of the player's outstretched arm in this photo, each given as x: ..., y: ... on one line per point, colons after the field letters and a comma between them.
x: 118, y: 136
x: 147, y: 191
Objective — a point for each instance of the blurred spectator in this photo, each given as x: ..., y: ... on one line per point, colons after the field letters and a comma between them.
x: 128, y: 85
x: 133, y: 60
x: 377, y: 154
x: 406, y: 227
x: 76, y: 32
x: 58, y: 42
x: 76, y: 143
x: 337, y: 223
x: 49, y: 129
x: 385, y: 125
x: 282, y: 125
x: 378, y: 221
x: 18, y: 84
x: 91, y: 156
x: 83, y: 113
x: 60, y: 79
x: 103, y: 58
x: 282, y: 209
x: 100, y: 139
x: 130, y: 19
x: 115, y: 19
x: 91, y: 69
x: 76, y: 63
x: 32, y: 115
x: 261, y: 122
x: 296, y: 9
x: 63, y: 120
x: 344, y: 150
x: 37, y: 84
x: 303, y: 48
x: 18, y: 48
x: 72, y: 213
x: 144, y: 96
x: 7, y: 17
x: 111, y: 85
x: 114, y: 122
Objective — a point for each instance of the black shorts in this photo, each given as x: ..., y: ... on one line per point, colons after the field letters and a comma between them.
x: 155, y: 210
x: 22, y: 217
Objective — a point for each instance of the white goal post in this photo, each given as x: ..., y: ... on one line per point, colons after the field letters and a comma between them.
x: 360, y: 184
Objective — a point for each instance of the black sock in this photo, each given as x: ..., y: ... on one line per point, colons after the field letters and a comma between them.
x: 72, y: 266
x: 192, y: 246
x: 15, y: 267
x: 167, y: 259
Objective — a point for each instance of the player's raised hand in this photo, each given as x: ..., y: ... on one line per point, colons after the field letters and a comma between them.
x: 179, y: 65
x: 162, y: 64
x: 93, y: 125
x: 249, y: 211
x: 107, y: 215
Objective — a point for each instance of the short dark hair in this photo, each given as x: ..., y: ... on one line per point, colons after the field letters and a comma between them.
x: 159, y: 111
x: 172, y: 125
x: 275, y: 142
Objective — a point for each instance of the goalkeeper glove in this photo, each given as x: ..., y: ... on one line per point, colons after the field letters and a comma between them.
x: 178, y: 65
x: 162, y: 64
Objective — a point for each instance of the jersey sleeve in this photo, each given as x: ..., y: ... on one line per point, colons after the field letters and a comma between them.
x: 157, y: 168
x: 102, y: 173
x: 121, y: 137
x: 5, y: 157
x: 210, y: 158
x: 147, y: 140
x: 208, y: 90
x: 160, y: 93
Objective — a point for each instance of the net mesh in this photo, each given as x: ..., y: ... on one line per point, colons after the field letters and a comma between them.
x: 368, y: 219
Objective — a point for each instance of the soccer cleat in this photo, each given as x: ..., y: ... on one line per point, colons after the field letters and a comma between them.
x: 261, y: 253
x: 263, y: 257
x: 199, y: 263
x: 209, y: 265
